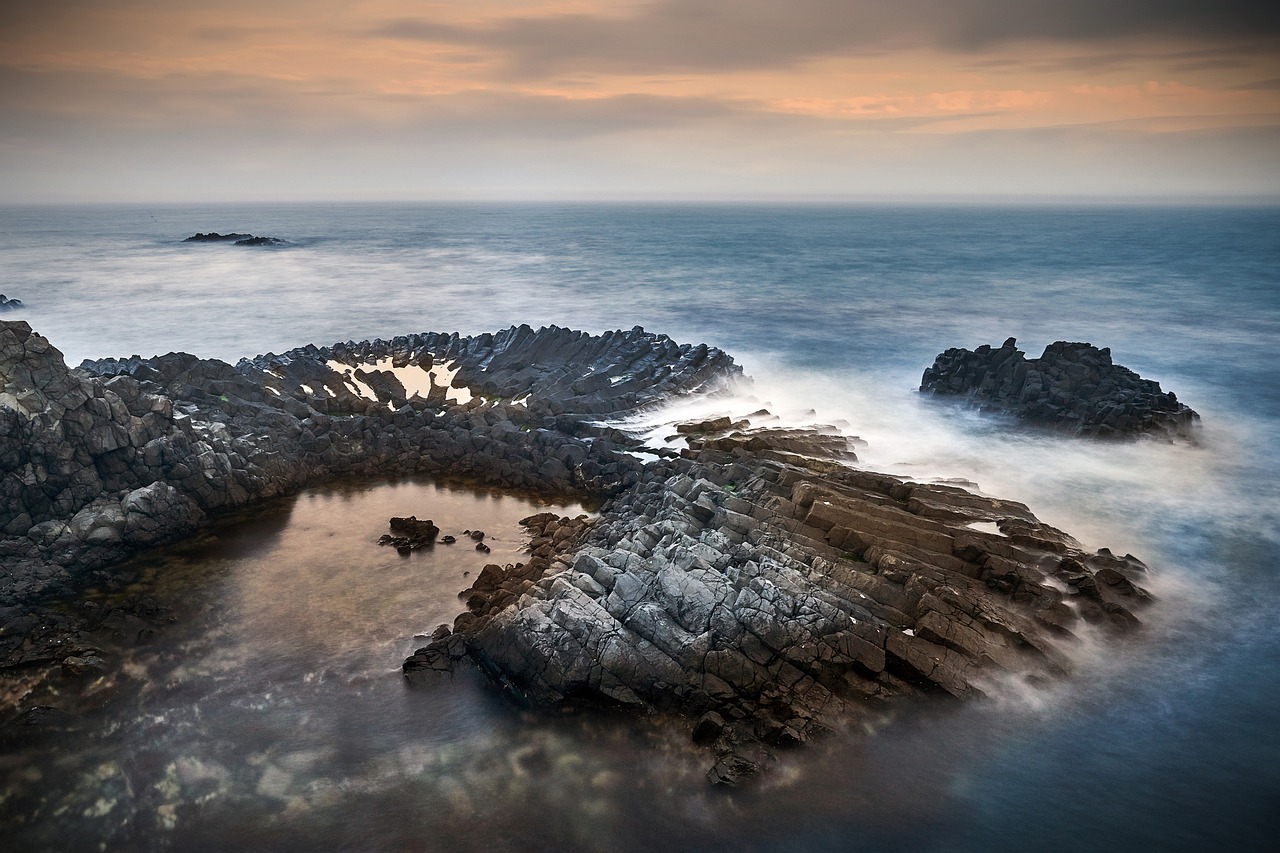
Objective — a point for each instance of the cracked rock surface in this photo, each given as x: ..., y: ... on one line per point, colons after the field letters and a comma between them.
x: 770, y: 595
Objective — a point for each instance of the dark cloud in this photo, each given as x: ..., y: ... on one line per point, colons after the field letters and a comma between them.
x: 231, y: 34
x: 1260, y: 85
x: 721, y: 35
x: 1210, y: 65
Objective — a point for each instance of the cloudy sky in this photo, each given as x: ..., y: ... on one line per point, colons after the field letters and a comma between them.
x: 156, y: 100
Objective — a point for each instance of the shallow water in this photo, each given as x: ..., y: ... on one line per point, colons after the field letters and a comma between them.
x: 1166, y: 741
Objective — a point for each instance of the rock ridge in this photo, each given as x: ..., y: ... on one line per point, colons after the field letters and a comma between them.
x: 123, y: 454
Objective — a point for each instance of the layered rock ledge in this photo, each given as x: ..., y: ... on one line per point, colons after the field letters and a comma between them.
x: 755, y: 582
x: 1072, y: 386
x: 769, y: 596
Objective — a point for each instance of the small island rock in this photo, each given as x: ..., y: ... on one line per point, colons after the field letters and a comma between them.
x: 1073, y: 387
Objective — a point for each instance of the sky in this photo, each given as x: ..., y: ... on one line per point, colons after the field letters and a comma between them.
x: 184, y: 101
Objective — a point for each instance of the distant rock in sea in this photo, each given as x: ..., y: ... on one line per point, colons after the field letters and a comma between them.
x: 7, y: 304
x: 262, y: 241
x: 1072, y: 386
x: 237, y: 239
x: 215, y: 237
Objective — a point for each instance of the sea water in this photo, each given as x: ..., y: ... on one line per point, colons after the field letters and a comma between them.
x: 1163, y: 741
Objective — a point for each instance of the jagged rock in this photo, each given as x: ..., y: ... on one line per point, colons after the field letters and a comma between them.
x: 215, y: 237
x: 79, y: 666
x: 127, y: 453
x: 782, y: 593
x: 413, y: 534
x: 1072, y: 386
x: 7, y: 304
x: 261, y: 241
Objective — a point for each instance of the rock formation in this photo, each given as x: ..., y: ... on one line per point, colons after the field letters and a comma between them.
x: 755, y: 581
x: 7, y: 304
x: 1072, y: 386
x: 235, y: 239
x: 215, y: 237
x: 126, y: 453
x: 769, y: 595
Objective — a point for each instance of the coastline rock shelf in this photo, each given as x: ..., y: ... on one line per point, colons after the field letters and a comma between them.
x: 1072, y: 386
x: 754, y: 582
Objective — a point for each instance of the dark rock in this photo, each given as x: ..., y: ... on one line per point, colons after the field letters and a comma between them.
x: 447, y: 540
x: 82, y: 665
x: 45, y: 717
x: 215, y: 237
x: 413, y: 534
x: 1073, y: 387
x: 261, y: 241
x: 709, y: 727
x: 732, y: 770
x: 7, y: 304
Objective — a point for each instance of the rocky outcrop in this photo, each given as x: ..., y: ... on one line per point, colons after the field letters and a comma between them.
x: 7, y: 304
x: 1072, y: 386
x: 768, y: 596
x: 215, y: 237
x: 410, y: 534
x: 261, y: 241
x: 235, y: 239
x: 755, y: 582
x: 126, y: 453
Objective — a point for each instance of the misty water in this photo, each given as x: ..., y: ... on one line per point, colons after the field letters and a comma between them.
x: 272, y: 712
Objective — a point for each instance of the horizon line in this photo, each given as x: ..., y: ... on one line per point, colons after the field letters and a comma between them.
x: 877, y: 200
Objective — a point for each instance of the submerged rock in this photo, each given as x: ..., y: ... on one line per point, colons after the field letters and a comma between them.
x: 1072, y: 386
x: 7, y: 304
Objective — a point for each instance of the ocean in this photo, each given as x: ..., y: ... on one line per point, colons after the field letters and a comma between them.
x: 272, y: 714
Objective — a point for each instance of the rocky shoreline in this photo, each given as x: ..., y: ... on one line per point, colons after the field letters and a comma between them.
x: 754, y: 582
